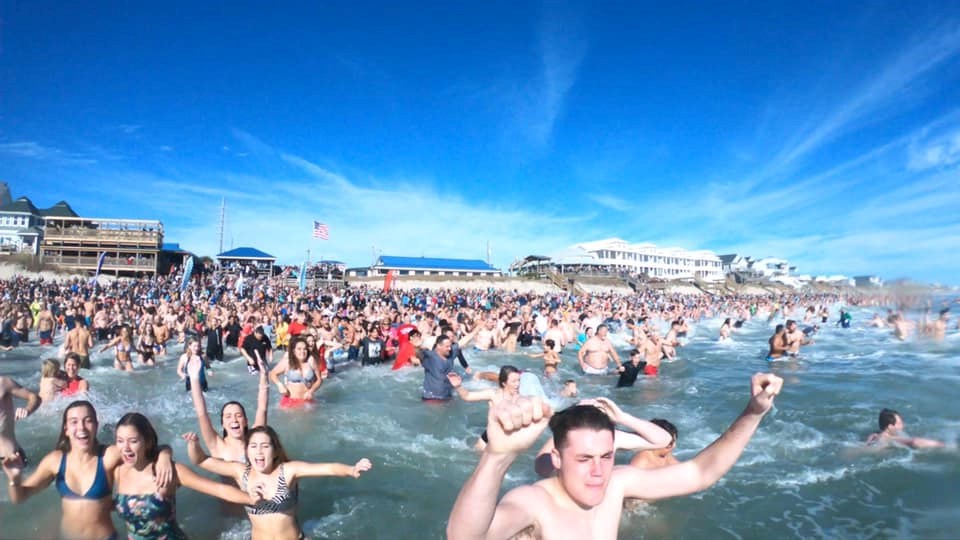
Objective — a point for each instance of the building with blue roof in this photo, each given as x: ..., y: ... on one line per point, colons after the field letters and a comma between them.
x: 426, y: 266
x: 246, y: 259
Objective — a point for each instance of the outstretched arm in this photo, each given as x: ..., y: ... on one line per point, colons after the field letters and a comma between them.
x: 32, y: 399
x: 214, y: 465
x: 188, y: 478
x: 304, y: 469
x: 652, y: 436
x: 714, y: 461
x: 263, y: 397
x: 44, y: 474
x: 457, y: 383
x: 209, y: 434
x: 511, y: 429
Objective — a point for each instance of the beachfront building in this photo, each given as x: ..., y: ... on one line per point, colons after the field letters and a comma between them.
x: 21, y: 224
x: 425, y: 266
x: 132, y: 246
x: 616, y: 255
x: 619, y: 257
x: 246, y: 260
x: 765, y: 267
x: 20, y: 227
x: 769, y: 267
x: 734, y: 262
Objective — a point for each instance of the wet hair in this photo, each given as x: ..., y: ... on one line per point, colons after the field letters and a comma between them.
x: 778, y: 329
x: 505, y: 372
x: 550, y: 343
x: 140, y: 423
x: 888, y: 417
x: 49, y: 368
x: 279, y: 454
x: 602, y: 326
x: 569, y: 381
x: 578, y: 417
x: 668, y: 427
x: 224, y: 409
x: 63, y: 442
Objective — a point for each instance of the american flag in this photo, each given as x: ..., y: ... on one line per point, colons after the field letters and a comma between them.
x: 321, y: 231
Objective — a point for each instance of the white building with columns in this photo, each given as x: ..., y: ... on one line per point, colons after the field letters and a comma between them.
x: 615, y: 254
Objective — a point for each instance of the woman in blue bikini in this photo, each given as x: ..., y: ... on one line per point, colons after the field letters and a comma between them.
x: 83, y: 471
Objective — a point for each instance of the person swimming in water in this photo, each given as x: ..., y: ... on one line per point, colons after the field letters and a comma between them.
x: 891, y: 433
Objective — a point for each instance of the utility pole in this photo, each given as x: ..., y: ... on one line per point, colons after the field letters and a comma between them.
x: 223, y: 213
x: 488, y: 252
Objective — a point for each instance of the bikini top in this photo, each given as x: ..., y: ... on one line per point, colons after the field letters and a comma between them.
x: 297, y: 376
x: 283, y: 501
x: 100, y: 488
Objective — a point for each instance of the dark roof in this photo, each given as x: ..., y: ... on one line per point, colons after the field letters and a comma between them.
x: 429, y: 263
x: 61, y: 209
x: 725, y: 259
x: 22, y: 204
x: 245, y: 253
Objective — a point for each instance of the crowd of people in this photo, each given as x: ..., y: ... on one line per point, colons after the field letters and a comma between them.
x: 293, y: 340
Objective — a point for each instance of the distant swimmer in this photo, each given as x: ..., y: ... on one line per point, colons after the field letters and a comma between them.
x: 596, y: 352
x: 901, y: 327
x: 778, y: 343
x: 725, y: 330
x: 937, y: 329
x: 845, y: 319
x: 654, y: 458
x: 551, y: 360
x: 794, y: 338
x: 631, y: 368
x: 877, y: 321
x: 508, y: 381
x: 891, y: 432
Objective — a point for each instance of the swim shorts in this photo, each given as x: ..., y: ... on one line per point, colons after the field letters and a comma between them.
x: 590, y: 370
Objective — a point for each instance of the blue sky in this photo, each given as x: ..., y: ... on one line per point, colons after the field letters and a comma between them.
x: 824, y: 132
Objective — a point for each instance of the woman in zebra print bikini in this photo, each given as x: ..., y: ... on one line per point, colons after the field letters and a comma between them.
x: 270, y: 477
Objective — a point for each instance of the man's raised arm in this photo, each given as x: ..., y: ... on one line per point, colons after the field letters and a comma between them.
x: 712, y: 462
x: 511, y: 429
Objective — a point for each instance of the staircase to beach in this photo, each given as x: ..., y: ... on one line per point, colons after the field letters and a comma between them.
x: 564, y: 283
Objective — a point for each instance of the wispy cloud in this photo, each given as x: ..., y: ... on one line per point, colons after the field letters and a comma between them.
x: 936, y: 147
x: 538, y: 103
x: 882, y: 91
x: 129, y: 129
x: 34, y: 150
x: 611, y: 202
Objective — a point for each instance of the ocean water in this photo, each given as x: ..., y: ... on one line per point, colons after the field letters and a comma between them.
x: 805, y: 474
